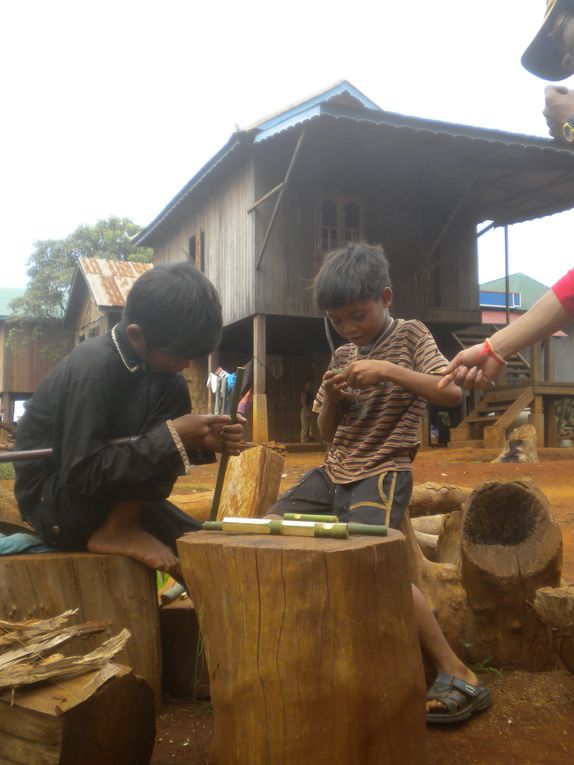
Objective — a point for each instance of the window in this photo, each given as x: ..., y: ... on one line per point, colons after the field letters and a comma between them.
x: 340, y: 221
x: 196, y: 250
x: 191, y: 248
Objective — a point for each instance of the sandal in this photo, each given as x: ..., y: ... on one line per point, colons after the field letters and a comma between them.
x: 461, y: 699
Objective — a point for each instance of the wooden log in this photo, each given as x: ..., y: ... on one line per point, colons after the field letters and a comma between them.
x: 433, y: 498
x: 251, y: 487
x: 251, y: 483
x: 184, y: 666
x: 106, y: 716
x: 555, y: 607
x: 106, y: 588
x: 429, y: 524
x: 450, y: 540
x: 427, y: 543
x: 510, y: 548
x: 521, y: 446
x: 441, y: 584
x: 312, y: 648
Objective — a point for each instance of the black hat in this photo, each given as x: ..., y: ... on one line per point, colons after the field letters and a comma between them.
x: 543, y: 57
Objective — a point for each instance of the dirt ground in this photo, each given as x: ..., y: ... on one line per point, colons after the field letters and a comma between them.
x: 532, y: 718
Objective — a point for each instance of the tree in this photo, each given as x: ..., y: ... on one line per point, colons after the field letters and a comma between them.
x: 52, y: 264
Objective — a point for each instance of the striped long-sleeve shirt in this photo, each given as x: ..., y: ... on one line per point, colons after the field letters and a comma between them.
x: 378, y: 430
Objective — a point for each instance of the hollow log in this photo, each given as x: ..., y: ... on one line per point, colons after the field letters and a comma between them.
x: 435, y: 498
x: 106, y: 716
x: 510, y: 548
x: 312, y: 648
x: 105, y: 588
x: 555, y: 606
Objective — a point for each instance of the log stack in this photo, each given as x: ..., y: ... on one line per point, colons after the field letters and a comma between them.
x: 117, y: 591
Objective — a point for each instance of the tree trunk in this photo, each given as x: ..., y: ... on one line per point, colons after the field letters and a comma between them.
x: 312, y: 648
x: 555, y: 606
x: 106, y: 588
x: 86, y: 719
x: 510, y: 548
x: 433, y: 498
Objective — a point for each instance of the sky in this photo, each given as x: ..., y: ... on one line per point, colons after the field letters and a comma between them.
x: 109, y: 108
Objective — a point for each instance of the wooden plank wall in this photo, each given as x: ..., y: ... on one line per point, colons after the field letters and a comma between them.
x: 26, y: 368
x: 221, y: 213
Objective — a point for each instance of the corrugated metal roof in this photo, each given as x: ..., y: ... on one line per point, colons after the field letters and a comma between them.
x: 109, y: 281
x: 530, y: 289
x: 7, y: 295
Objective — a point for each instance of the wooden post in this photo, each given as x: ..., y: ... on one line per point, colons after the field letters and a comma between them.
x: 510, y: 548
x: 109, y: 588
x: 551, y: 434
x: 312, y: 648
x: 535, y: 363
x: 212, y: 364
x: 7, y: 408
x: 260, y: 423
x: 549, y: 359
x: 537, y: 419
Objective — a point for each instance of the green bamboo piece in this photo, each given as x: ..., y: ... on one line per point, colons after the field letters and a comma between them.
x: 318, y: 518
x: 239, y: 373
x: 294, y: 528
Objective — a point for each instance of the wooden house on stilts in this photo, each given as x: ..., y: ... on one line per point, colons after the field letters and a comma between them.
x: 258, y: 217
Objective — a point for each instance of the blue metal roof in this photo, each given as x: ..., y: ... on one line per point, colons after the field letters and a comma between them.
x: 342, y: 92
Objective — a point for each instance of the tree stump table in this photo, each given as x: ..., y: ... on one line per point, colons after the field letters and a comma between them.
x: 312, y: 648
x: 107, y: 588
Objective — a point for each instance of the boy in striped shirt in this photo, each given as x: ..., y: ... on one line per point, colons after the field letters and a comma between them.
x: 370, y: 404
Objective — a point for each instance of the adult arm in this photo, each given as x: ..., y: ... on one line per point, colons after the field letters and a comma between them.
x: 475, y: 367
x: 559, y: 107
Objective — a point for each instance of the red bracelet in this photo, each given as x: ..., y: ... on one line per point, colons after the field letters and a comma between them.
x: 488, y: 350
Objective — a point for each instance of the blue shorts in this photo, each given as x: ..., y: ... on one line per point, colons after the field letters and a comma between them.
x: 380, y: 499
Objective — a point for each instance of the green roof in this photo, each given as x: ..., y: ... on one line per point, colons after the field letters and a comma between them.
x: 7, y: 295
x: 530, y: 289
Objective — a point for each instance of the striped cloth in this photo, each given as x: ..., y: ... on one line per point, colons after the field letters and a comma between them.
x: 378, y: 430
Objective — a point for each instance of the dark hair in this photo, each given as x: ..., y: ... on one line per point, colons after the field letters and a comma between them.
x: 178, y: 310
x: 354, y: 272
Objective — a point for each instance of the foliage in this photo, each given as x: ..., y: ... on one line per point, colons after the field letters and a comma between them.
x: 6, y: 471
x: 51, y: 266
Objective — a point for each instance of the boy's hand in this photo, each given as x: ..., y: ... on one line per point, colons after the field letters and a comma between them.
x: 210, y: 431
x: 363, y: 374
x: 335, y: 386
x: 471, y: 368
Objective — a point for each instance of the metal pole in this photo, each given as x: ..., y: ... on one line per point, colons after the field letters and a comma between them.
x: 506, y: 276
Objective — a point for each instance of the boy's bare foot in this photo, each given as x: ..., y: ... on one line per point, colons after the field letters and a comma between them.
x: 134, y: 542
